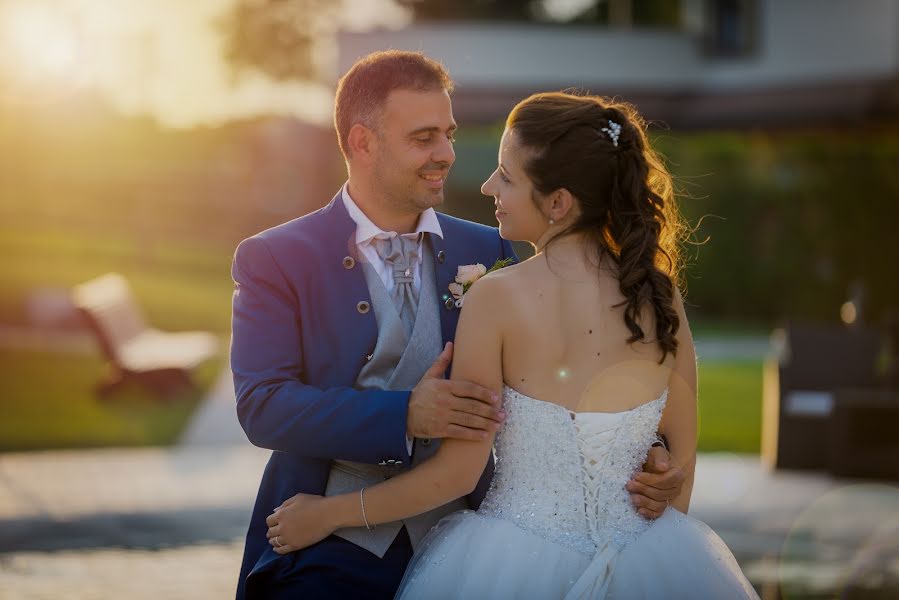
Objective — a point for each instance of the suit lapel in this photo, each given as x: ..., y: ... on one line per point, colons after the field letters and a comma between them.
x: 445, y: 264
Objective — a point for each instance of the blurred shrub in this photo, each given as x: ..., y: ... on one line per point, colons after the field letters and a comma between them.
x: 792, y: 217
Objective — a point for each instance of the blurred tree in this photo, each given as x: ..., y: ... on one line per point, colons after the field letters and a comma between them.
x: 278, y: 37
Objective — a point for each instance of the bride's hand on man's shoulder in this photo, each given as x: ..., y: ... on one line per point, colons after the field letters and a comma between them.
x: 660, y: 482
x: 299, y: 522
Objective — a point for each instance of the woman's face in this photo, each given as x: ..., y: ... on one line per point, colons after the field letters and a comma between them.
x: 512, y: 191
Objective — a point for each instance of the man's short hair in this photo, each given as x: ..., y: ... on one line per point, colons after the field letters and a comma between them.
x: 362, y: 92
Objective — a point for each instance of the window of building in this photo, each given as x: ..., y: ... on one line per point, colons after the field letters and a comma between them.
x: 731, y: 28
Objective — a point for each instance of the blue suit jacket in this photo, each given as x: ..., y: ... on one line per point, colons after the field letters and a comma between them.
x: 299, y: 341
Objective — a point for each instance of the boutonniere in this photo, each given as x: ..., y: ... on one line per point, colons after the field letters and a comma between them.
x: 466, y: 275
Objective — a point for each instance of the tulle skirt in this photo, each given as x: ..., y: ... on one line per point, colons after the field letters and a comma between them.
x: 470, y: 555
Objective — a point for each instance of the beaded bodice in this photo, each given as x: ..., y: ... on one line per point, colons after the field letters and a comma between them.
x: 561, y: 475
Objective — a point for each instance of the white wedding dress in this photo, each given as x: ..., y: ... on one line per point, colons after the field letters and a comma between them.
x: 558, y: 523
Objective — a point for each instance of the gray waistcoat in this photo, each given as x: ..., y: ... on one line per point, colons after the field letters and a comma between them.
x: 397, y: 363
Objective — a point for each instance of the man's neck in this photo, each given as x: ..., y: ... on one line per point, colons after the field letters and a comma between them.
x: 378, y: 211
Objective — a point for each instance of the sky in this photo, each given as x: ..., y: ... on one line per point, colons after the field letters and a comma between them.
x: 158, y: 57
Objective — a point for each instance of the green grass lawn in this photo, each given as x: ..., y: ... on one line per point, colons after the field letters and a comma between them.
x: 179, y: 285
x: 730, y: 406
x: 47, y: 401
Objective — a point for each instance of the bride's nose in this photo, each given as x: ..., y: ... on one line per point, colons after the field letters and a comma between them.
x: 487, y: 188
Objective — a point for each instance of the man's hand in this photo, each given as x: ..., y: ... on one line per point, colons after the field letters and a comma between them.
x: 439, y: 408
x: 660, y: 482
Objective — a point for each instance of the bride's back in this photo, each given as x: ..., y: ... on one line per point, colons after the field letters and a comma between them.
x: 565, y: 338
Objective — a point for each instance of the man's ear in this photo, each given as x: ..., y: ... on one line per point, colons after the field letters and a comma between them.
x: 362, y: 143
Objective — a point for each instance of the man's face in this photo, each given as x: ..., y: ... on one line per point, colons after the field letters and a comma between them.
x: 414, y: 149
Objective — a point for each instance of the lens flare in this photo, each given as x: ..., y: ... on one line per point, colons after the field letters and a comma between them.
x: 40, y: 52
x: 845, y: 542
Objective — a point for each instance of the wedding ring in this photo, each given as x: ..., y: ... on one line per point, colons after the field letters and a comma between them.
x: 278, y: 543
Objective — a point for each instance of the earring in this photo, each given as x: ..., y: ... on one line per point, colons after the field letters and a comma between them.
x: 551, y: 222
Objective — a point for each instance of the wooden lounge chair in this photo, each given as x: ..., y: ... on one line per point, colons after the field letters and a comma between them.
x: 160, y: 360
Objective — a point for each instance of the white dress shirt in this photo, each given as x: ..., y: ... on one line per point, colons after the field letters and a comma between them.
x: 366, y: 232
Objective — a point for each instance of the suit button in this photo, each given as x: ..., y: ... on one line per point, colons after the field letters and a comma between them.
x: 441, y: 256
x: 348, y: 262
x: 363, y: 307
x: 426, y: 442
x: 399, y: 463
x: 449, y: 304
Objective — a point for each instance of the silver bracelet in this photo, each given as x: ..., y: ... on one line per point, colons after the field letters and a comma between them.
x: 362, y: 502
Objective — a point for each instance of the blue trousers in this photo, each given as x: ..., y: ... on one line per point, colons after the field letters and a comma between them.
x: 336, y: 568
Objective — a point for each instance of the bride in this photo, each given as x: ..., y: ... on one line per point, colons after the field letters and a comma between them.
x: 589, y: 343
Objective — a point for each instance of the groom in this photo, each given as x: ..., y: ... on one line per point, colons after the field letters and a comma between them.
x: 341, y: 327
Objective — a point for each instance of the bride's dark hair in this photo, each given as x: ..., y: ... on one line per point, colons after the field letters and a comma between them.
x: 624, y: 191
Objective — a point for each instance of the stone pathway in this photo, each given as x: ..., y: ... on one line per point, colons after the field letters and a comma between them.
x: 137, y: 523
x: 215, y: 421
x: 169, y: 524
x: 816, y: 535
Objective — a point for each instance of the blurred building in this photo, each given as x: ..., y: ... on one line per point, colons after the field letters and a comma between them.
x: 724, y: 63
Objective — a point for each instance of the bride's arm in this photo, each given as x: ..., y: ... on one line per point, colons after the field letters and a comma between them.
x: 451, y: 473
x: 679, y: 418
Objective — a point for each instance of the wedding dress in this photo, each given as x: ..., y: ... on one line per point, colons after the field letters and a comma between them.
x: 558, y: 523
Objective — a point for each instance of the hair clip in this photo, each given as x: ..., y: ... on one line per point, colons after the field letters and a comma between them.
x: 613, y: 131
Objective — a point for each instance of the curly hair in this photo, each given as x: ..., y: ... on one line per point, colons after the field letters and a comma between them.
x: 623, y: 188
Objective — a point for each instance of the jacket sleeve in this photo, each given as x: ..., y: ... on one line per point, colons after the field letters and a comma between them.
x: 275, y: 406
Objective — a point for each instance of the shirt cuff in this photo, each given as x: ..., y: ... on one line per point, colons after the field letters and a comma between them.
x: 409, y: 442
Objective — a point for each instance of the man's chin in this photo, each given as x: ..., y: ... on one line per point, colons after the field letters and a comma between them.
x: 430, y: 200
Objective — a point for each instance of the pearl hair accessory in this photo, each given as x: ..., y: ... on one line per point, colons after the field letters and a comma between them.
x: 613, y: 131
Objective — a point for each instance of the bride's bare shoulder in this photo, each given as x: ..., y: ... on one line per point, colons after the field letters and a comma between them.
x: 520, y: 271
x: 493, y: 290
x: 508, y: 280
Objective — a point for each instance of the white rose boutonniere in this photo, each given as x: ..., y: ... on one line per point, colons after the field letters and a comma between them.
x: 466, y: 275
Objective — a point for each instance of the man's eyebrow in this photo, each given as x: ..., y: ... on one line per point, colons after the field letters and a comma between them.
x: 452, y: 128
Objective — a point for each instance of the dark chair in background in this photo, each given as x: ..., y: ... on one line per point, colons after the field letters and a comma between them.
x: 827, y: 407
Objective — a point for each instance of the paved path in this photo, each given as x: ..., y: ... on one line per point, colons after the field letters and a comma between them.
x: 169, y: 523
x: 215, y: 421
x: 146, y: 523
